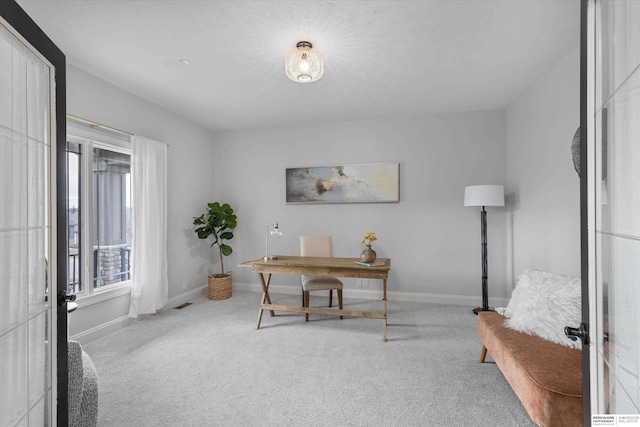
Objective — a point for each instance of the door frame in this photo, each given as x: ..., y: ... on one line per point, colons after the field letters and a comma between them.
x: 584, y: 208
x: 29, y: 30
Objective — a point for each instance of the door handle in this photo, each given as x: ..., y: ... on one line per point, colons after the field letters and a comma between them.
x: 580, y: 333
x: 68, y: 300
x: 63, y: 298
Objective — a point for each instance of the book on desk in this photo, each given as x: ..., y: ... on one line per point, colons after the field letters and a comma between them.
x: 371, y: 264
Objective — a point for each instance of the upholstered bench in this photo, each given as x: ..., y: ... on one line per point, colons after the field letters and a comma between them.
x: 83, y: 388
x: 546, y: 377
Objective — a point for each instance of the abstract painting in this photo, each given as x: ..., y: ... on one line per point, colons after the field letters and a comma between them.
x: 361, y: 183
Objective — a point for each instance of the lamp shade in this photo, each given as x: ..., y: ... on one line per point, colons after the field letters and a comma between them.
x: 484, y: 195
x: 304, y: 64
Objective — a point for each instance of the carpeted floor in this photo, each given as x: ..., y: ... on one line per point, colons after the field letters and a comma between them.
x: 207, y: 365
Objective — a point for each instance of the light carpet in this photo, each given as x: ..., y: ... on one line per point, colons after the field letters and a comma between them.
x: 207, y: 365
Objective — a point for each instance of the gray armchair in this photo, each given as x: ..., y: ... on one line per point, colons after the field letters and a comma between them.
x: 83, y: 388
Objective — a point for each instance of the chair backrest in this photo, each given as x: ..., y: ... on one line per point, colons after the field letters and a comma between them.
x: 316, y: 246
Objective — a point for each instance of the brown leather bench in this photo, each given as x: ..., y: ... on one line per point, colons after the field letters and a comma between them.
x: 546, y: 377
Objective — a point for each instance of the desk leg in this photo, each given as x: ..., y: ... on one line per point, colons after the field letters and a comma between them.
x: 384, y: 309
x: 265, y: 297
x: 265, y: 289
x: 260, y: 311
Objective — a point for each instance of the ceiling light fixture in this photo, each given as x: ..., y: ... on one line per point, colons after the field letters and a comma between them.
x: 303, y: 64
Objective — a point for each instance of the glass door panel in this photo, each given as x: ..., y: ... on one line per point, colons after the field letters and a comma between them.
x: 617, y: 207
x: 25, y: 235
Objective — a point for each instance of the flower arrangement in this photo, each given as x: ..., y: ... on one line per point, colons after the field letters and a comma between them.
x: 369, y: 238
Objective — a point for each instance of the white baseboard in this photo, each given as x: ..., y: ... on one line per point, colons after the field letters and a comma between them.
x: 185, y: 297
x: 99, y: 331
x: 466, y: 300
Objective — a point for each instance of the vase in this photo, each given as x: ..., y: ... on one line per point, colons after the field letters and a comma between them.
x: 368, y: 255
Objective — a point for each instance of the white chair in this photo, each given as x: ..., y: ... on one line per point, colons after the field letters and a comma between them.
x: 318, y: 246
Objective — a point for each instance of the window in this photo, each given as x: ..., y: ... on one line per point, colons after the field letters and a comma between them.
x: 99, y: 214
x: 74, y: 165
x: 111, y: 217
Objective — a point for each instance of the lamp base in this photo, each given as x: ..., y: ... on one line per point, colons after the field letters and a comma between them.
x: 271, y: 258
x: 479, y: 309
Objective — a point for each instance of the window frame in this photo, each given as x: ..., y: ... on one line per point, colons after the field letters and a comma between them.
x: 89, y: 138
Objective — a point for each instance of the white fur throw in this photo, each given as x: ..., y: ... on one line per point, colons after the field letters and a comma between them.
x: 543, y: 304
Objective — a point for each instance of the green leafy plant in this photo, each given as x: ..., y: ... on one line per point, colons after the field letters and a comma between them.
x: 217, y: 223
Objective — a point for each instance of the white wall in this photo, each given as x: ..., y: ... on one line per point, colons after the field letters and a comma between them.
x: 432, y: 240
x: 190, y: 175
x: 544, y: 189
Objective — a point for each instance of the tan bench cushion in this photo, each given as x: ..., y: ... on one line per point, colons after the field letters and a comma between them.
x: 546, y: 377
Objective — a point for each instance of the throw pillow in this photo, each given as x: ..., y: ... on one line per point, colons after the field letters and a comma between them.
x: 543, y: 304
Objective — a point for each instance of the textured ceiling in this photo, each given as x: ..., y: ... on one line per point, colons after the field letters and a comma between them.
x: 382, y: 58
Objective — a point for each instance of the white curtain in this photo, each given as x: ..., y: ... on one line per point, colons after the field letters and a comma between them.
x: 150, y: 288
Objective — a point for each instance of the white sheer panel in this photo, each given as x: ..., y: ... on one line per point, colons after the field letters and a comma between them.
x: 623, y: 153
x: 37, y: 195
x: 38, y: 414
x: 13, y: 180
x: 13, y: 279
x: 625, y: 38
x: 25, y: 358
x: 37, y: 268
x: 617, y: 256
x: 14, y: 394
x: 619, y: 46
x: 37, y: 99
x: 624, y: 316
x: 37, y: 358
x: 13, y: 106
x: 6, y: 83
x: 150, y: 288
x: 622, y: 234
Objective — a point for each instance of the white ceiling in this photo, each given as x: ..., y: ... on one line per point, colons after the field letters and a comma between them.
x: 382, y: 58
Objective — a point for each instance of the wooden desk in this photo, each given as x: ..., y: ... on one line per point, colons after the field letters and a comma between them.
x: 313, y: 266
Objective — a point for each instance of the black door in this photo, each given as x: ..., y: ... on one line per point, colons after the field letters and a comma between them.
x: 32, y: 144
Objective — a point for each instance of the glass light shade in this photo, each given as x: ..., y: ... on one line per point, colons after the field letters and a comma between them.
x: 303, y: 64
x: 275, y: 231
x: 272, y: 230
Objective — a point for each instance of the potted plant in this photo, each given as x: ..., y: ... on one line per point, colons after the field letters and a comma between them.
x: 216, y: 224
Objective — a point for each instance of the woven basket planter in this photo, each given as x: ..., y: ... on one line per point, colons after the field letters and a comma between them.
x: 220, y: 286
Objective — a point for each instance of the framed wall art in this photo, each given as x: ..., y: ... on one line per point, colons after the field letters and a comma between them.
x: 359, y: 183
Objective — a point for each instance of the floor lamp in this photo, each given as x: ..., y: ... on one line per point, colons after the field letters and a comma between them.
x: 484, y: 195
